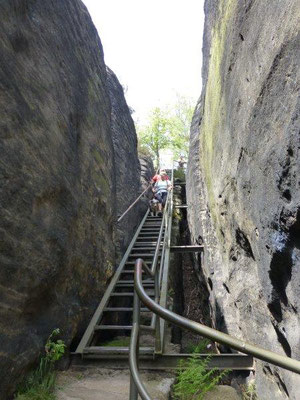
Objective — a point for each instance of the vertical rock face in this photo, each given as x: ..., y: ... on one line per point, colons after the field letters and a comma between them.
x: 127, y: 165
x: 243, y: 177
x: 57, y: 176
x: 147, y: 170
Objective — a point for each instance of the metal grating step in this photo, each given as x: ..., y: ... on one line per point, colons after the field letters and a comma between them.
x: 145, y: 281
x: 129, y: 285
x: 123, y: 309
x: 127, y: 294
x: 133, y: 263
x: 113, y: 327
x: 142, y: 255
x: 107, y: 350
x: 144, y: 248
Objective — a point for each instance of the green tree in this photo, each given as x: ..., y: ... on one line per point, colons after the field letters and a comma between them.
x: 168, y: 128
x: 155, y: 135
x: 180, y: 118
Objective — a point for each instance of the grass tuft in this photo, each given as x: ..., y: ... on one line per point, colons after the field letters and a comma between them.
x: 40, y: 383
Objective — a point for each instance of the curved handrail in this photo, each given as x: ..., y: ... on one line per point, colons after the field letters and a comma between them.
x: 134, y: 367
x: 213, y: 334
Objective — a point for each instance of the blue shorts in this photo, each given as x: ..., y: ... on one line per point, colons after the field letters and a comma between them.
x: 161, y: 197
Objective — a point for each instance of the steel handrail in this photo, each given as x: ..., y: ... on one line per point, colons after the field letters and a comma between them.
x: 136, y: 386
x: 156, y: 274
x: 213, y: 334
x: 136, y: 200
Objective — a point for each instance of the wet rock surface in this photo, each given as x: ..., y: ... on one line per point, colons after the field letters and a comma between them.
x: 58, y: 177
x: 243, y: 178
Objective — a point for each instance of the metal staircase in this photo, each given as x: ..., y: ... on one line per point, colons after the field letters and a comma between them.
x: 113, y: 317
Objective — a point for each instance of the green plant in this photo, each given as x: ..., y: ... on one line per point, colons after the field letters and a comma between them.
x: 200, y: 347
x: 195, y: 379
x: 249, y: 392
x: 39, y: 384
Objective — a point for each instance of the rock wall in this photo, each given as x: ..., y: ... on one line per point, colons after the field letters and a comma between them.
x: 127, y: 165
x: 243, y: 178
x: 60, y: 114
x: 147, y: 170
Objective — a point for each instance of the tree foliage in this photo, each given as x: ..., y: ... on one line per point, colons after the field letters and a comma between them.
x: 167, y: 128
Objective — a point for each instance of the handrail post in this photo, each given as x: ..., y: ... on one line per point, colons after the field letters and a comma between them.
x: 135, y: 322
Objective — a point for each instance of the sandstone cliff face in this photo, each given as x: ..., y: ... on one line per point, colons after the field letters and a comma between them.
x: 147, y: 170
x: 127, y: 165
x: 58, y: 176
x: 243, y: 178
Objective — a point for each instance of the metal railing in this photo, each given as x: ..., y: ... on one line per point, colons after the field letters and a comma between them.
x: 136, y: 200
x: 162, y: 314
x: 160, y: 275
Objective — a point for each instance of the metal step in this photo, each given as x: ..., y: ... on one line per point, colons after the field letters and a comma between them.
x: 148, y: 237
x: 108, y: 350
x: 130, y: 271
x: 144, y: 248
x: 155, y: 224
x: 153, y: 243
x: 145, y: 281
x: 149, y: 232
x: 151, y: 228
x: 127, y: 294
x: 133, y: 263
x: 142, y: 255
x: 113, y: 327
x: 123, y: 309
x: 145, y: 285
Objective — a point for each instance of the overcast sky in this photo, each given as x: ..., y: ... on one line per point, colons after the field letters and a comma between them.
x: 154, y: 47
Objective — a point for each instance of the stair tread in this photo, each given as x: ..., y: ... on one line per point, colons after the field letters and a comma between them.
x: 150, y: 280
x: 153, y: 243
x: 141, y: 255
x: 112, y: 327
x: 115, y: 350
x: 149, y: 285
x: 120, y: 309
x: 145, y: 248
x: 130, y: 271
x: 132, y: 263
x: 127, y: 294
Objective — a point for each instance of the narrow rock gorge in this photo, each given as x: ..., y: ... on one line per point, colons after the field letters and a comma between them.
x: 243, y: 178
x: 68, y: 148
